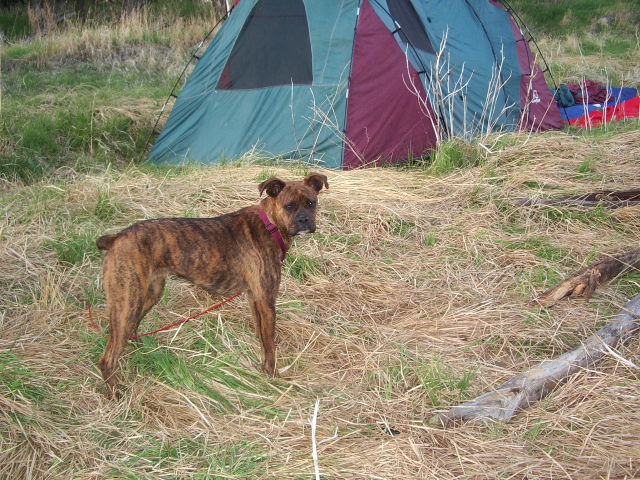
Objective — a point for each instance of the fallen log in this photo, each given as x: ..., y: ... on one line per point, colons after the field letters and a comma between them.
x: 534, y: 384
x: 584, y: 282
x: 572, y: 202
x: 609, y: 199
x: 619, y: 195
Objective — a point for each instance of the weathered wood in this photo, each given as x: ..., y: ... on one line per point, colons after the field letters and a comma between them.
x: 584, y: 282
x: 609, y: 199
x: 613, y: 195
x: 569, y: 202
x: 534, y: 384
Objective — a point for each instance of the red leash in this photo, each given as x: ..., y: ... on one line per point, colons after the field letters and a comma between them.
x: 166, y: 327
x: 185, y: 320
x: 91, y: 320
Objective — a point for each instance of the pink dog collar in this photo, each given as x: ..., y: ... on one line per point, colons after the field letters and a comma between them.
x: 273, y: 230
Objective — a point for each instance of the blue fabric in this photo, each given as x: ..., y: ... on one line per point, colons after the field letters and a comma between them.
x: 564, y: 97
x: 618, y: 95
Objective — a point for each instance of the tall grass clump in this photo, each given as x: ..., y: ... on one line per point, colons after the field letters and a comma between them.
x: 555, y: 18
x: 452, y: 155
x: 595, y: 40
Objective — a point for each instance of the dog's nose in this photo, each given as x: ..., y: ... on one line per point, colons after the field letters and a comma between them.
x: 303, y: 218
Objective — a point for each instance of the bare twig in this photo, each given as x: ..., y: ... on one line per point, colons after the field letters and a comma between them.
x: 314, y: 444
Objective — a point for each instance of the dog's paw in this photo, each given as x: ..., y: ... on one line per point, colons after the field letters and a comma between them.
x: 270, y: 369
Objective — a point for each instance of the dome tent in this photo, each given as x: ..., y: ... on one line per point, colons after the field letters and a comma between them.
x: 349, y: 83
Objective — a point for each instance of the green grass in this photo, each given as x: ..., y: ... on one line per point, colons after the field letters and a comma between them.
x: 39, y: 201
x: 534, y: 280
x: 184, y: 9
x: 553, y: 17
x: 587, y: 165
x: 172, y: 369
x: 534, y: 432
x: 593, y: 217
x: 19, y: 380
x: 608, y: 46
x: 107, y: 207
x: 430, y: 239
x: 153, y: 458
x: 29, y: 51
x: 539, y: 246
x: 302, y: 266
x: 75, y: 248
x: 629, y: 284
x: 605, y: 132
x: 339, y: 240
x: 538, y: 185
x: 14, y: 23
x: 265, y: 174
x: 452, y: 155
x: 214, y: 372
x: 441, y: 383
x: 401, y: 228
x: 55, y: 118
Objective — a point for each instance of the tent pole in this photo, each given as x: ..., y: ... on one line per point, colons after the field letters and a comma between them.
x: 522, y: 25
x: 193, y: 56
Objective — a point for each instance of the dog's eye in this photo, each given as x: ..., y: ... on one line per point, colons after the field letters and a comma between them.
x: 290, y: 206
x: 311, y: 204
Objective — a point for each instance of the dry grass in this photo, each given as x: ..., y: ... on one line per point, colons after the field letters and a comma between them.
x: 168, y: 40
x: 600, y: 63
x: 413, y: 295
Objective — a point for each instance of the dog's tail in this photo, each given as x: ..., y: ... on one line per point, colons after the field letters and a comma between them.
x: 105, y: 242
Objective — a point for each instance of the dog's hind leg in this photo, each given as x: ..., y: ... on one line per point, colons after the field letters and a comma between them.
x: 154, y: 294
x: 122, y: 324
x: 127, y: 305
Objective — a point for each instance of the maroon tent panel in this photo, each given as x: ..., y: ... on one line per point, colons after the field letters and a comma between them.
x: 386, y: 95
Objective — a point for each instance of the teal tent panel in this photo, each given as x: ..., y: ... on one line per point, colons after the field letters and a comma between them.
x: 174, y: 145
x: 462, y: 77
x: 332, y: 26
x: 228, y: 107
x: 496, y: 24
x: 279, y: 121
x: 208, y: 125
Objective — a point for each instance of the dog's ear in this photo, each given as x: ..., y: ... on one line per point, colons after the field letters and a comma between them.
x: 272, y: 185
x: 316, y: 181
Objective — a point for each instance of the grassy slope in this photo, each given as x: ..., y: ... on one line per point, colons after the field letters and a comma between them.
x: 413, y: 295
x: 590, y: 39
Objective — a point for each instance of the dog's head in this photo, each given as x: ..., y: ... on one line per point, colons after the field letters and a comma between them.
x: 292, y: 205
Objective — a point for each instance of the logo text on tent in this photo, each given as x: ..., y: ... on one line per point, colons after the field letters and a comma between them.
x: 535, y: 97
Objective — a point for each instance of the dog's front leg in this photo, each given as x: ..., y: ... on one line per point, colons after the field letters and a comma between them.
x: 263, y: 307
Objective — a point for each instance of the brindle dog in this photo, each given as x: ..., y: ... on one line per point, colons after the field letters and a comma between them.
x: 223, y: 255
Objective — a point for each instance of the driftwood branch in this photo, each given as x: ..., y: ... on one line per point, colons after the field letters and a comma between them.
x: 536, y: 383
x: 609, y: 199
x: 565, y: 202
x: 585, y: 281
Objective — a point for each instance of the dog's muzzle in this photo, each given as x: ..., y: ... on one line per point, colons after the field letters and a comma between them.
x: 303, y: 224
